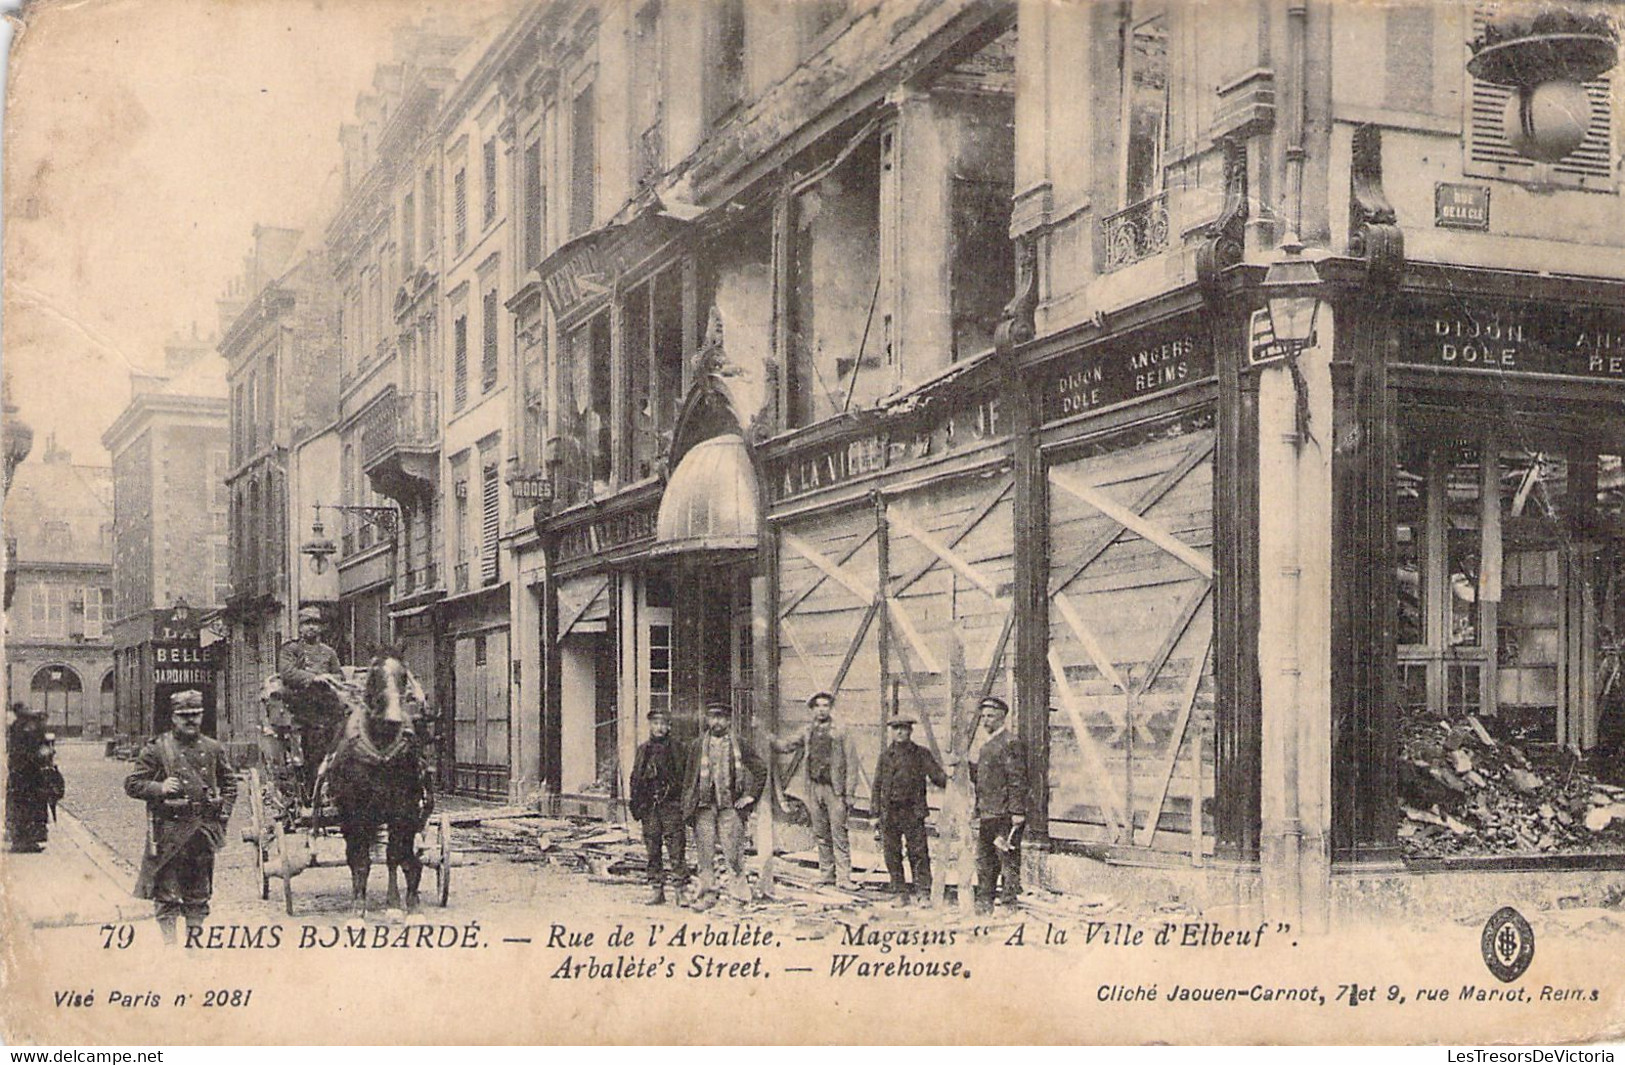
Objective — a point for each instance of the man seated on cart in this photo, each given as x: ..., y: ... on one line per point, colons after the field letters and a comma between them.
x: 308, y: 669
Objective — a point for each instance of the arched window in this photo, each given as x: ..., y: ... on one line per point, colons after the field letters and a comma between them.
x: 57, y: 691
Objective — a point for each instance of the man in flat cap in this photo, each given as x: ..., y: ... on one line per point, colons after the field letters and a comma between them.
x: 723, y: 780
x: 187, y: 783
x: 305, y: 666
x: 815, y: 775
x: 900, y: 806
x: 657, y: 801
x: 998, y: 766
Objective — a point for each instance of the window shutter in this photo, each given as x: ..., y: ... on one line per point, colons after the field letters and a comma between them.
x: 490, y: 525
x: 1490, y: 155
x: 459, y: 223
x: 459, y: 367
x: 488, y: 340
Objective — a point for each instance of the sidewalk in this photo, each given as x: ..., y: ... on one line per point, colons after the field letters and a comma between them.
x: 76, y: 881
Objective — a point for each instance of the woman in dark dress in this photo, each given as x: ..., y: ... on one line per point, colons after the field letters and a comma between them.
x: 30, y: 772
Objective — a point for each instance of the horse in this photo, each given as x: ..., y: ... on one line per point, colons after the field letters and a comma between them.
x: 376, y: 777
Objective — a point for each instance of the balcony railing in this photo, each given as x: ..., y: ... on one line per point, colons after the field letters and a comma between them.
x: 399, y: 419
x: 1135, y: 233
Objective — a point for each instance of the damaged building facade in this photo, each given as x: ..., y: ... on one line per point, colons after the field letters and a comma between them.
x: 1235, y: 388
x: 922, y: 351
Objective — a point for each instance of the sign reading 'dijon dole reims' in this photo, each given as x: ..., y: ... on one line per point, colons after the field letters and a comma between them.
x: 1516, y: 339
x: 1156, y: 360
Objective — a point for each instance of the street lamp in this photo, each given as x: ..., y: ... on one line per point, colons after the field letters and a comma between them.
x: 1292, y: 296
x: 318, y: 547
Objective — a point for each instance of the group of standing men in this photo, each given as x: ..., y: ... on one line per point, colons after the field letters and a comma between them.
x: 714, y: 784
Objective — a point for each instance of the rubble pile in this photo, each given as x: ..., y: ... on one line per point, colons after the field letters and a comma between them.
x: 1467, y: 787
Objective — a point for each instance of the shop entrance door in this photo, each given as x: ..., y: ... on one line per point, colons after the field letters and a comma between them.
x: 1509, y: 558
x: 713, y: 616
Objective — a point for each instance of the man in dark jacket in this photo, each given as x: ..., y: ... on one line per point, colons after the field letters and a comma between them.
x: 998, y: 766
x: 723, y: 780
x: 27, y: 779
x: 657, y: 801
x: 189, y: 788
x: 815, y: 775
x: 306, y: 667
x: 900, y: 807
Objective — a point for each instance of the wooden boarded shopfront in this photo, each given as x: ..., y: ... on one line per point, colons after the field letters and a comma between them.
x: 1129, y: 451
x: 894, y: 569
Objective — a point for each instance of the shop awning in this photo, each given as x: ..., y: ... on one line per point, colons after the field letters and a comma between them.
x: 710, y: 503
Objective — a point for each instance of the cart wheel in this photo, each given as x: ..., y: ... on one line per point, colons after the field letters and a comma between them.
x: 256, y: 828
x: 279, y: 837
x: 442, y: 866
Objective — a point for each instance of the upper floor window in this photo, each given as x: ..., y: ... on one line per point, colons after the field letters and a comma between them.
x: 535, y: 205
x: 839, y: 333
x: 459, y: 210
x: 652, y: 341
x: 586, y: 452
x: 459, y: 362
x: 1145, y: 104
x: 583, y: 160
x: 645, y: 125
x: 430, y: 205
x: 409, y: 252
x: 724, y: 59
x: 488, y: 156
x: 490, y: 322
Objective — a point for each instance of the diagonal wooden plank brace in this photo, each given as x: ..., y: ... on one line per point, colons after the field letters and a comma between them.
x: 801, y: 597
x: 966, y: 527
x: 1176, y: 632
x: 1148, y: 499
x: 1165, y: 772
x: 1126, y: 517
x: 830, y: 569
x: 1091, y: 645
x: 915, y: 640
x: 942, y: 551
x: 1095, y: 769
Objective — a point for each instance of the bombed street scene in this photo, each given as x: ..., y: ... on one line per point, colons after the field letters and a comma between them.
x: 657, y: 488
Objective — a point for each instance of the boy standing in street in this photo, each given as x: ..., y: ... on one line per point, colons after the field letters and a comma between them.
x: 657, y: 801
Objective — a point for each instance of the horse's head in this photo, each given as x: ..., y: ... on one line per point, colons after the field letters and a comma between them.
x: 391, y: 690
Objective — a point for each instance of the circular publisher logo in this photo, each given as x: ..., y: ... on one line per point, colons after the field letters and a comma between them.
x: 1508, y: 944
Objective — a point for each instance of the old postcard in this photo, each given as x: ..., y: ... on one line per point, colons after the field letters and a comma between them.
x: 903, y: 521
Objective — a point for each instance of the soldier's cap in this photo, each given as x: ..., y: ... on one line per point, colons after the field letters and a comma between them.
x: 657, y: 711
x: 187, y: 702
x: 900, y: 720
x: 720, y: 710
x: 993, y: 702
x: 310, y: 613
x: 816, y: 697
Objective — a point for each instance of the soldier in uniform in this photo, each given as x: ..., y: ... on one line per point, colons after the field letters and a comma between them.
x: 311, y: 703
x: 187, y: 783
x: 657, y: 801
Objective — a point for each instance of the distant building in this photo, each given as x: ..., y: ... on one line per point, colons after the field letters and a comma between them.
x: 279, y: 345
x: 170, y: 564
x: 59, y: 652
